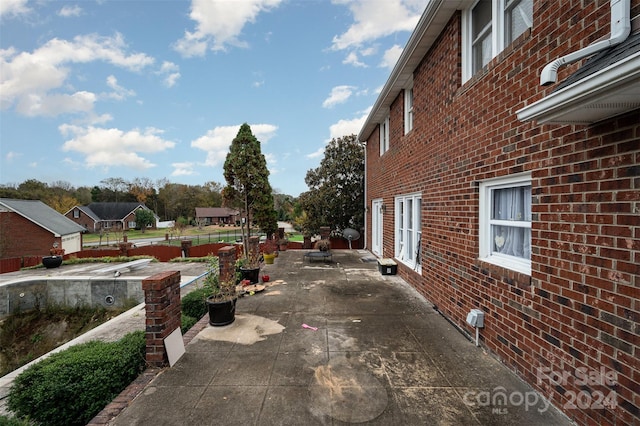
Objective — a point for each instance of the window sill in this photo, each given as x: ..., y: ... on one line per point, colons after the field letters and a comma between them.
x: 509, y: 262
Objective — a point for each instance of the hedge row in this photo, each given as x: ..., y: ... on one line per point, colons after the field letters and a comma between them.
x: 72, y: 386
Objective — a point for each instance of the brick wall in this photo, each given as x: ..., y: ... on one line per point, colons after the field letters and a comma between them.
x: 22, y: 237
x: 579, y: 310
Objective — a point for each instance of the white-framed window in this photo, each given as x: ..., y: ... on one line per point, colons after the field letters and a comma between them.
x: 408, y: 110
x: 76, y: 213
x: 488, y: 27
x: 131, y: 224
x: 384, y: 136
x: 408, y: 230
x: 505, y: 222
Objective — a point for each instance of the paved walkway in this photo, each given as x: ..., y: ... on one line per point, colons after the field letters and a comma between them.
x: 336, y: 344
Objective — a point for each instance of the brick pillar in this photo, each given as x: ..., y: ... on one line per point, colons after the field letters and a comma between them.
x: 162, y: 298
x: 124, y: 249
x: 325, y: 232
x: 227, y: 263
x: 306, y: 242
x: 186, y: 246
x: 280, y: 233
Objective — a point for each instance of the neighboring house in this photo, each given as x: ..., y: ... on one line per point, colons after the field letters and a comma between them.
x: 216, y: 215
x: 96, y: 217
x: 30, y: 227
x: 494, y: 192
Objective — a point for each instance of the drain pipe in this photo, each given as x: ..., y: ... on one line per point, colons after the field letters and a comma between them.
x: 620, y: 30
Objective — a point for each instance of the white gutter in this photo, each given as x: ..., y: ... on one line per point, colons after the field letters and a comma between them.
x: 620, y: 30
x: 619, y: 80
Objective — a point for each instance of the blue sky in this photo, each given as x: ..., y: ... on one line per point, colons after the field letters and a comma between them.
x: 158, y: 88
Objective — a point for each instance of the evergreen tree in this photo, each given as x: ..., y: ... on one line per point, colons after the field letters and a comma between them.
x: 248, y: 188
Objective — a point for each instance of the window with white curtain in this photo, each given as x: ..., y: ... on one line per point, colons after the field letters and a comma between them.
x: 505, y: 222
x: 408, y: 229
x: 489, y: 26
x: 384, y: 136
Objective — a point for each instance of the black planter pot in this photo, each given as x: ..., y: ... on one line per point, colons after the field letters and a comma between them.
x: 52, y: 261
x: 251, y: 274
x: 221, y: 313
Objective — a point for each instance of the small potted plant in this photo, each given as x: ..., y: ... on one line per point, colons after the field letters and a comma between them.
x: 249, y: 266
x: 55, y: 258
x: 268, y: 251
x: 283, y: 243
x: 323, y: 245
x: 221, y: 296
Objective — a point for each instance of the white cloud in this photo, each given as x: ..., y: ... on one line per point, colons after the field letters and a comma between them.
x: 383, y: 19
x: 219, y: 24
x: 12, y: 155
x: 13, y: 7
x: 340, y: 129
x: 29, y: 78
x: 352, y: 59
x: 171, y: 73
x: 217, y: 140
x: 70, y: 11
x: 102, y: 147
x: 183, y: 169
x: 348, y: 127
x: 50, y: 105
x: 391, y: 56
x: 339, y: 95
x: 119, y: 93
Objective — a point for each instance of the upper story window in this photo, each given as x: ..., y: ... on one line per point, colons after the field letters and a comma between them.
x: 384, y: 136
x: 408, y: 110
x: 488, y: 27
x: 76, y: 213
x: 505, y: 222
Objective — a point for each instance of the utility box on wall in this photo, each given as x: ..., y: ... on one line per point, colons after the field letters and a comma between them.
x: 387, y: 267
x: 475, y: 318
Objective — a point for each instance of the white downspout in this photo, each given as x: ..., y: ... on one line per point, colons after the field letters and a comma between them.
x: 364, y: 146
x: 620, y: 30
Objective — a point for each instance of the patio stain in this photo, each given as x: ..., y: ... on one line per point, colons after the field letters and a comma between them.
x: 347, y: 392
x: 245, y: 330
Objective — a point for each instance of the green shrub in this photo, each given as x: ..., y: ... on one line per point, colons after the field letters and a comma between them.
x: 186, y: 322
x: 72, y: 386
x: 193, y: 303
x: 12, y: 421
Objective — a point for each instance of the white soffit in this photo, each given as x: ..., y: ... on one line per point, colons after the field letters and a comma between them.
x: 612, y: 91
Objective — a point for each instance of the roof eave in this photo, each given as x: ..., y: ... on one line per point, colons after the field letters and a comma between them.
x: 605, y: 94
x: 432, y: 22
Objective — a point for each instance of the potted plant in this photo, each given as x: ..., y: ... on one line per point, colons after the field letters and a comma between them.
x: 283, y: 243
x: 269, y: 251
x: 249, y: 266
x: 221, y: 296
x: 323, y: 245
x: 55, y: 258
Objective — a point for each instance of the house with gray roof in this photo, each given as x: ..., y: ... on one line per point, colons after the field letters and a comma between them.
x: 30, y: 227
x: 97, y: 217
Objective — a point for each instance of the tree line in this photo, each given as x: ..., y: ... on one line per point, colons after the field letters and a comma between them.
x: 335, y: 197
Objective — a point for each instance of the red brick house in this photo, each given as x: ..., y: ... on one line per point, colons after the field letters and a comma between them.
x: 31, y: 228
x: 96, y: 217
x: 501, y: 187
x: 216, y: 215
